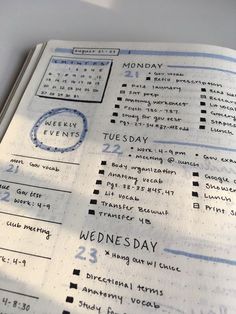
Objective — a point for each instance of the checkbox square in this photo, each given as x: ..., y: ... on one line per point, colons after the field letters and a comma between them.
x: 76, y: 272
x: 73, y: 285
x: 69, y: 299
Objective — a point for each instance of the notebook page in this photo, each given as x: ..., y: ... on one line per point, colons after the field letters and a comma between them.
x: 117, y: 186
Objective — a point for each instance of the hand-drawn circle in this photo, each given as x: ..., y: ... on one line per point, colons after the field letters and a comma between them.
x: 53, y: 112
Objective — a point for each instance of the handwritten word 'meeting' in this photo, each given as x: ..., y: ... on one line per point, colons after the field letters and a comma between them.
x: 30, y: 228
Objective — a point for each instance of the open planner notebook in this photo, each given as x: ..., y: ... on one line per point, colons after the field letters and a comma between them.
x: 118, y: 181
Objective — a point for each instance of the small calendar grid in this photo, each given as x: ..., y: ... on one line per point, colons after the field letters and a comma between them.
x: 73, y: 79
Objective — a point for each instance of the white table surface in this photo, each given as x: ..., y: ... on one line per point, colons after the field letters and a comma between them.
x: 24, y: 23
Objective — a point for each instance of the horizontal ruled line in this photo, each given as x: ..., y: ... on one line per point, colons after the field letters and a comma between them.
x: 32, y: 218
x: 171, y: 53
x: 202, y: 257
x: 36, y: 186
x: 25, y: 253
x: 70, y: 99
x: 19, y: 293
x: 201, y: 68
x: 44, y: 159
x: 197, y: 145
